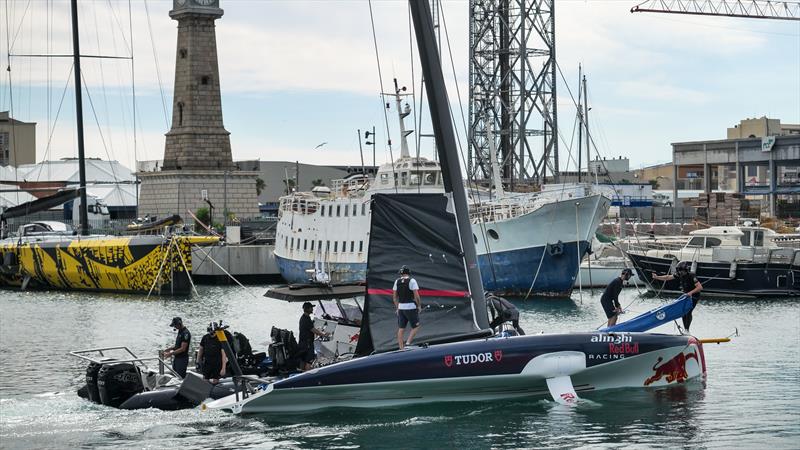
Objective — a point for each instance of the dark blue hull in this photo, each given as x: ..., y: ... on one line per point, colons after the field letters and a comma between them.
x: 511, y: 272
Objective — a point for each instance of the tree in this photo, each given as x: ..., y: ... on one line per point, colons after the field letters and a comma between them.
x: 654, y: 183
x: 260, y: 185
x: 317, y: 182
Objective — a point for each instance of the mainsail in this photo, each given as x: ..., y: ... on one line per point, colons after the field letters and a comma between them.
x: 419, y: 231
x: 40, y: 204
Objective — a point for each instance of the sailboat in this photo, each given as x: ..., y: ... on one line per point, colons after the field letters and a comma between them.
x: 457, y: 358
x: 46, y: 255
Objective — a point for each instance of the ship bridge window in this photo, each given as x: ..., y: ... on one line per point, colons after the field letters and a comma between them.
x: 493, y: 234
x: 415, y: 179
x: 305, y: 244
x: 311, y: 208
x: 696, y: 242
x: 384, y: 178
x: 363, y: 209
x: 713, y: 242
x: 346, y: 210
x: 404, y: 178
x: 360, y: 246
x: 338, y: 210
x: 292, y: 244
x: 312, y: 245
x: 330, y: 210
x: 352, y: 246
x: 322, y: 211
x: 355, y: 210
x: 335, y: 246
x: 759, y: 238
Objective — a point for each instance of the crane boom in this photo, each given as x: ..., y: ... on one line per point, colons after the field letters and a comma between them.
x: 754, y: 9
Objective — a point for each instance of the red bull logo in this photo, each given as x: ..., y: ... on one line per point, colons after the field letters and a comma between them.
x: 354, y: 338
x: 673, y: 371
x: 626, y: 349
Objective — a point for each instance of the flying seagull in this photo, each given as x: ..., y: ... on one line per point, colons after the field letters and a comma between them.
x: 320, y: 145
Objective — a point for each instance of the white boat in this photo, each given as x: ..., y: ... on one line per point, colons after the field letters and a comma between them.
x: 526, y: 242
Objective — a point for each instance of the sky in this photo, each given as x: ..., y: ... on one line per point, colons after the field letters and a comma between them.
x: 297, y: 73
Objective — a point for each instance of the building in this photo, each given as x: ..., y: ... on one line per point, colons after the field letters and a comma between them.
x: 660, y: 175
x: 17, y: 141
x: 765, y: 169
x: 761, y: 127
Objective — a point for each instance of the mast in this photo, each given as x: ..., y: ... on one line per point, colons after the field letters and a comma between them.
x: 76, y: 56
x: 447, y: 150
x: 586, y: 126
x: 580, y: 128
x: 402, y: 114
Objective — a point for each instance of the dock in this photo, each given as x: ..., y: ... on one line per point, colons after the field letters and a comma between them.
x: 246, y: 263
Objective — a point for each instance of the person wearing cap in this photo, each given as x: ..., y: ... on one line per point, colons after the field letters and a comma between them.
x: 306, y: 337
x: 690, y: 286
x: 610, y: 298
x: 180, y: 351
x: 405, y: 295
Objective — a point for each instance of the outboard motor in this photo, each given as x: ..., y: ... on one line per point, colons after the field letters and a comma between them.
x: 283, y: 351
x: 92, y: 393
x: 117, y: 382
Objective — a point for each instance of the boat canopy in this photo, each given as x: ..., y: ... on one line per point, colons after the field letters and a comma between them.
x: 310, y: 293
x: 418, y: 231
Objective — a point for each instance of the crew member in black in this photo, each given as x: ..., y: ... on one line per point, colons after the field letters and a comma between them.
x: 405, y: 295
x: 212, y: 356
x: 179, y: 352
x: 689, y: 285
x: 306, y: 336
x: 504, y: 311
x: 610, y: 298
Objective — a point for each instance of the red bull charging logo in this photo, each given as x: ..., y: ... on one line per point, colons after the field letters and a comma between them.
x: 673, y: 371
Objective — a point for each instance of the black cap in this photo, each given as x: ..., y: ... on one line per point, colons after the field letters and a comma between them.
x: 627, y: 271
x: 405, y: 270
x: 176, y: 322
x: 307, y: 305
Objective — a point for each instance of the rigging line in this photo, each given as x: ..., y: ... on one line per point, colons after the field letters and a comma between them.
x: 380, y: 80
x: 158, y: 68
x: 413, y: 81
x: 11, y: 100
x: 102, y: 80
x: 99, y: 128
x: 133, y: 102
x: 58, y: 55
x: 21, y: 21
x: 119, y: 24
x: 55, y: 121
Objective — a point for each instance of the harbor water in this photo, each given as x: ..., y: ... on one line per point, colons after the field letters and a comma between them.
x: 751, y: 398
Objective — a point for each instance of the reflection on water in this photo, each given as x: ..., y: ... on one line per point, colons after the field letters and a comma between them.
x: 751, y: 400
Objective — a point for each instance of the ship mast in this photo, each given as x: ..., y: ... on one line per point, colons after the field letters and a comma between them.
x: 76, y: 56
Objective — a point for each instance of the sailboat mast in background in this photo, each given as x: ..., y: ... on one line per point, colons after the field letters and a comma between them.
x: 76, y: 55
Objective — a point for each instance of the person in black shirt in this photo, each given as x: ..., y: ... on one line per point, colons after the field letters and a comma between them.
x: 689, y: 285
x: 212, y: 356
x: 610, y: 298
x: 504, y: 311
x: 306, y: 336
x: 179, y: 352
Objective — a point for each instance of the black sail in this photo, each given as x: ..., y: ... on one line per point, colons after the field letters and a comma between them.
x: 419, y: 231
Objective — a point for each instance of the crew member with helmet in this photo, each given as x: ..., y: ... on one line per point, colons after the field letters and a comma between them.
x: 212, y: 356
x: 180, y: 351
x: 306, y: 336
x: 689, y: 285
x: 610, y: 297
x: 405, y: 295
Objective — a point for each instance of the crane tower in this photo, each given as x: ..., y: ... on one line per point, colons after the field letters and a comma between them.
x: 512, y: 90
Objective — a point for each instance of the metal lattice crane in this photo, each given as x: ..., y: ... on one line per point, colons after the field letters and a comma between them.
x: 753, y: 9
x: 512, y: 89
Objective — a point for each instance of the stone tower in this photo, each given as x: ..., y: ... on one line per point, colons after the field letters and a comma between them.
x: 198, y: 139
x: 198, y: 167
